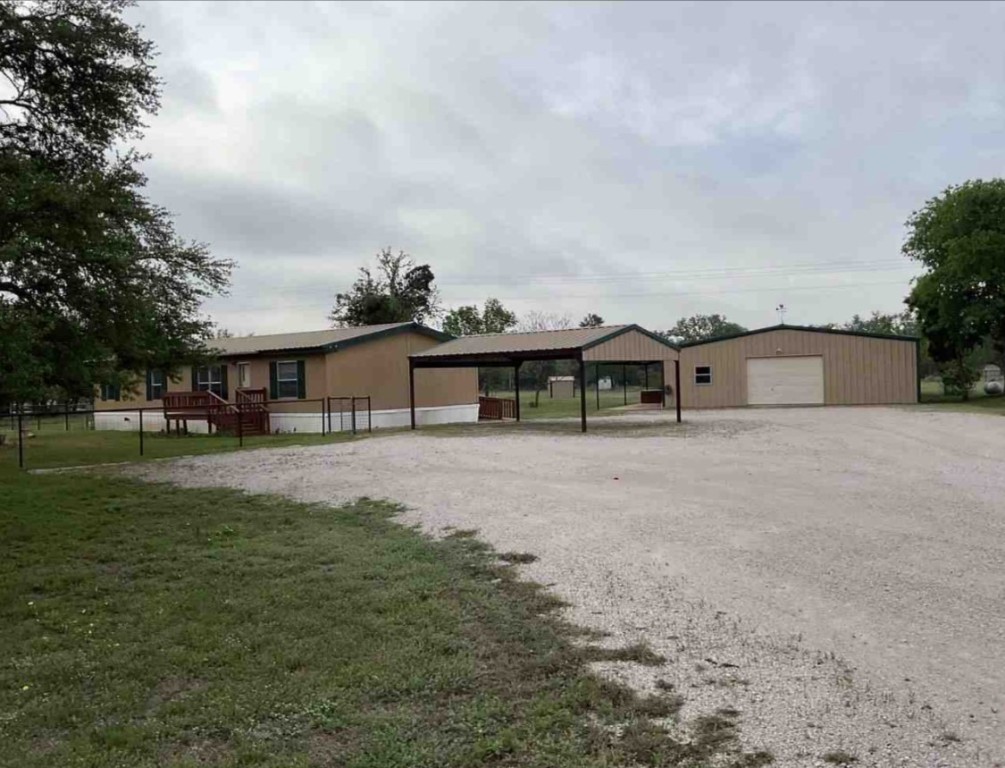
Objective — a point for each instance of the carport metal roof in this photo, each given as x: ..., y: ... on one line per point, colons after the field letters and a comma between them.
x: 511, y: 350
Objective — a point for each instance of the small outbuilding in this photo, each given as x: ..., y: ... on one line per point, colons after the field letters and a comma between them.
x: 561, y: 387
x: 797, y: 365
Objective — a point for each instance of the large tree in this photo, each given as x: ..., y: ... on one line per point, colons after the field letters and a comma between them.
x: 703, y: 327
x: 95, y: 286
x: 468, y: 320
x: 951, y: 335
x: 902, y: 324
x: 959, y: 237
x: 399, y: 291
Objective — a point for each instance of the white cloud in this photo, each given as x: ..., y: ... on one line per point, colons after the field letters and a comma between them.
x: 506, y: 142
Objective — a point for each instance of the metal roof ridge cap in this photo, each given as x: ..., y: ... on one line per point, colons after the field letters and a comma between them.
x: 805, y: 328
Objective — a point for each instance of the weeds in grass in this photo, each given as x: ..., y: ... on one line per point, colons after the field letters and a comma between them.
x: 665, y: 685
x: 839, y: 757
x: 639, y: 653
x: 713, y: 732
x: 462, y: 533
x: 521, y: 558
x: 660, y: 706
x: 756, y: 759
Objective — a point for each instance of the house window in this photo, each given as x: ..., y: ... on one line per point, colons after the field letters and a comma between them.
x: 155, y: 385
x: 703, y: 374
x: 288, y: 379
x: 210, y: 378
x: 110, y: 392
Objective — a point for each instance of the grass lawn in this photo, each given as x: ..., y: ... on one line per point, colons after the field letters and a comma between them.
x: 553, y: 408
x: 145, y: 625
x: 53, y: 447
x: 932, y: 394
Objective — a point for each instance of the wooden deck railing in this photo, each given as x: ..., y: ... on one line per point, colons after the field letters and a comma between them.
x: 249, y: 413
x: 496, y: 408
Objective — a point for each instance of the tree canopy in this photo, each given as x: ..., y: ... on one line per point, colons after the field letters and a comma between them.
x: 703, y: 327
x: 901, y: 324
x: 95, y: 286
x: 592, y: 320
x: 959, y: 237
x: 467, y: 320
x: 399, y: 291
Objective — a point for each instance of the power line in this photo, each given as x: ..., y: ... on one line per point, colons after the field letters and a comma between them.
x: 711, y: 272
x: 611, y: 295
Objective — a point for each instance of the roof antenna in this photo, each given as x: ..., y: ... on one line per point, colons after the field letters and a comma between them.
x: 780, y: 309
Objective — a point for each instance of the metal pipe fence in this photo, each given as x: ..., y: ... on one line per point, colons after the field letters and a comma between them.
x: 351, y: 399
x: 26, y: 424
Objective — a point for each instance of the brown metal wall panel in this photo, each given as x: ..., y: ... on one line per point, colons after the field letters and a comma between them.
x: 630, y: 347
x: 858, y: 370
x: 379, y: 368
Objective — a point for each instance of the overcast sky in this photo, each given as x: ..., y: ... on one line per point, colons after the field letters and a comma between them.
x: 643, y: 162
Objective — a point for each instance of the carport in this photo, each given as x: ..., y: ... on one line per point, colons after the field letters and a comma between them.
x: 621, y: 344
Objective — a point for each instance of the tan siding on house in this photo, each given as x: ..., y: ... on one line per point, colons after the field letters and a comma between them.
x: 136, y: 396
x: 630, y: 347
x: 315, y: 371
x: 858, y: 370
x: 379, y: 368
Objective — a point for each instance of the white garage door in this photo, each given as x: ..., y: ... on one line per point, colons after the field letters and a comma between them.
x: 785, y: 380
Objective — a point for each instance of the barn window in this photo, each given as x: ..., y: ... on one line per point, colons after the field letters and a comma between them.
x: 703, y: 374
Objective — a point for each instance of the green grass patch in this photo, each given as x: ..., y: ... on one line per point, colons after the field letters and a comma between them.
x: 933, y: 393
x: 53, y: 447
x: 555, y: 408
x: 146, y: 625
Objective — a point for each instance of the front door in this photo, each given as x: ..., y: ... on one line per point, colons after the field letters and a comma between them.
x: 244, y: 375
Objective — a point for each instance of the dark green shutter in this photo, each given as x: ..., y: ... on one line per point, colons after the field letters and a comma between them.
x: 150, y: 385
x: 195, y: 379
x: 223, y: 381
x: 273, y: 382
x: 301, y: 380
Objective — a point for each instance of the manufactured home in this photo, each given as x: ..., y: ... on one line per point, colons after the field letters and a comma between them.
x: 293, y: 375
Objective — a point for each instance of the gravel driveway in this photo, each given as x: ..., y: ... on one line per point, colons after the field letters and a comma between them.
x: 836, y: 575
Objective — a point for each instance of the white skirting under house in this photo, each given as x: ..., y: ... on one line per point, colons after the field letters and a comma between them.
x: 153, y: 421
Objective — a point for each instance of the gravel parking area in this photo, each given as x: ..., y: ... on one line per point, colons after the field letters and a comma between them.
x: 836, y: 575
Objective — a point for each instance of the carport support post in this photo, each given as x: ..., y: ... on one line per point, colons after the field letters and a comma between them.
x: 596, y: 372
x: 516, y: 389
x: 411, y: 390
x: 676, y: 387
x: 582, y: 392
